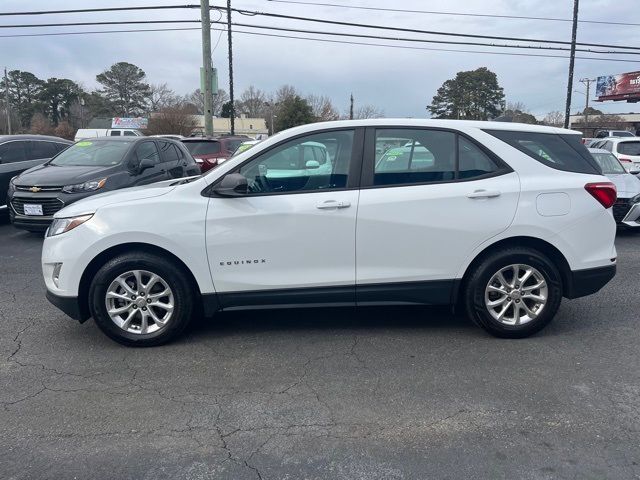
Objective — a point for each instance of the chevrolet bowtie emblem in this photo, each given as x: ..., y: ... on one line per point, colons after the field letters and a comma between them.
x: 35, y: 189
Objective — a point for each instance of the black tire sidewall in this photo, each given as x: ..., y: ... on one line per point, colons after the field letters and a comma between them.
x: 170, y: 273
x: 480, y: 278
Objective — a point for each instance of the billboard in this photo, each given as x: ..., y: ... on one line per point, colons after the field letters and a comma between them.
x: 122, y: 122
x: 624, y: 86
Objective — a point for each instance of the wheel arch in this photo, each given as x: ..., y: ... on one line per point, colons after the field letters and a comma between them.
x: 99, y: 260
x: 542, y: 246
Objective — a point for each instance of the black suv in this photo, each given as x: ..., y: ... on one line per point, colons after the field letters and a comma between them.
x: 94, y: 166
x: 20, y: 152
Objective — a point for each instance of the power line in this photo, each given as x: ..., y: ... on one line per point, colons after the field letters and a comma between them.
x: 324, y: 21
x: 93, y: 10
x: 433, y: 12
x: 324, y: 40
x: 84, y: 24
x: 428, y: 32
x: 316, y: 32
x: 422, y: 40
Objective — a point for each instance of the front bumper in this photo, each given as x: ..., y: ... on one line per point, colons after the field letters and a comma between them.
x: 70, y: 306
x: 587, y: 282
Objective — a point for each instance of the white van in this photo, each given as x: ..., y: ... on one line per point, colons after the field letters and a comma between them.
x: 85, y: 133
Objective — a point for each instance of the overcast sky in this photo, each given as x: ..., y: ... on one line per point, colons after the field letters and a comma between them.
x: 401, y: 82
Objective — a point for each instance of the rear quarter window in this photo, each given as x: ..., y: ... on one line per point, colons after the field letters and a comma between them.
x: 559, y: 151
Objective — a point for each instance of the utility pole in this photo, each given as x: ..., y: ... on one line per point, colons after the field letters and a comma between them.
x: 207, y: 67
x: 572, y: 61
x: 587, y: 83
x: 6, y: 99
x: 232, y: 115
x: 351, y: 108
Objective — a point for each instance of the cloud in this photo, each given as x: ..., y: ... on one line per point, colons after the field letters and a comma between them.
x: 400, y: 82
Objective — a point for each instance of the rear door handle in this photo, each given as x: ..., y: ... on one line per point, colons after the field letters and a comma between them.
x: 329, y: 204
x: 484, y: 194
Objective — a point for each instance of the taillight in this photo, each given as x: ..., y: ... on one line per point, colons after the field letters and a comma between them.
x: 603, y: 192
x: 211, y: 161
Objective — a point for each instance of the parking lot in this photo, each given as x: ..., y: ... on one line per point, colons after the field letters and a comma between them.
x: 336, y: 393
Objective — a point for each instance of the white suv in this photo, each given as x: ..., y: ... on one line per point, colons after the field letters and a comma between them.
x: 503, y: 219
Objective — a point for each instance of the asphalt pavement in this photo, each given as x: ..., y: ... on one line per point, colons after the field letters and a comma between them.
x: 375, y: 393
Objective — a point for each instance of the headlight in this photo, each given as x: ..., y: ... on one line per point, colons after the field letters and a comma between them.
x: 84, y: 187
x: 13, y: 180
x: 63, y: 225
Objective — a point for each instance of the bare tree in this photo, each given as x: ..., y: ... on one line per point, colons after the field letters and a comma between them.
x: 161, y: 96
x: 252, y: 102
x: 284, y: 93
x: 554, y: 118
x: 197, y: 99
x: 368, y: 111
x: 177, y: 119
x: 323, y: 109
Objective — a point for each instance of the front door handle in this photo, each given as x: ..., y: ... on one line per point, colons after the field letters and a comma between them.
x: 484, y: 194
x: 329, y: 204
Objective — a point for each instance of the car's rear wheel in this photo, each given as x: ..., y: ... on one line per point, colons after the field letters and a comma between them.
x: 140, y: 299
x: 513, y: 293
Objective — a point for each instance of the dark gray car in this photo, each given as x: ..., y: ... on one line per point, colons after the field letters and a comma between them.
x: 90, y: 167
x: 21, y: 152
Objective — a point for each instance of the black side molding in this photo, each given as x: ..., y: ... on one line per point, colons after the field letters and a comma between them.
x: 588, y: 281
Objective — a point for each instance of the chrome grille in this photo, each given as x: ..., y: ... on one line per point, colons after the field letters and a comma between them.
x: 23, y: 188
x: 49, y: 205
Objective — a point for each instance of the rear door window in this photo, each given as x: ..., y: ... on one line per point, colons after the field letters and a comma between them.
x: 41, y: 150
x: 115, y: 133
x: 559, y: 151
x: 629, y: 148
x: 11, y: 152
x: 169, y: 152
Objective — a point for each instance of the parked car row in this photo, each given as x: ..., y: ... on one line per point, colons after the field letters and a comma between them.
x: 36, y: 189
x: 40, y: 176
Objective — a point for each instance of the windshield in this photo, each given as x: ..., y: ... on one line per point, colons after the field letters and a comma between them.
x: 629, y: 148
x: 202, y: 147
x: 105, y: 153
x: 608, y: 163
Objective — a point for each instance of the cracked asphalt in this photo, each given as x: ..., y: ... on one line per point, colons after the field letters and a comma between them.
x: 394, y: 393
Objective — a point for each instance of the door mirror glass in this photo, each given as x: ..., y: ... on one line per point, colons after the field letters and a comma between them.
x: 312, y: 164
x: 232, y: 185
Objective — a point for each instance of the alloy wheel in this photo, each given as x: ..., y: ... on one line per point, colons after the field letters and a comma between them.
x: 139, y: 301
x: 516, y: 294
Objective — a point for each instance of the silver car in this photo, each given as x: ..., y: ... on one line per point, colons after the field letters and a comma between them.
x: 626, y: 210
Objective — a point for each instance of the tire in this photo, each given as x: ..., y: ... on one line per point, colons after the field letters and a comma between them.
x: 172, y: 312
x: 525, y: 312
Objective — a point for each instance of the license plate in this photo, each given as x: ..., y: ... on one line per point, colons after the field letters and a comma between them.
x: 32, y: 209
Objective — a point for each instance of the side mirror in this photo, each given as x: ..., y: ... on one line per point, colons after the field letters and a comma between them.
x: 312, y: 164
x: 232, y: 185
x: 145, y: 164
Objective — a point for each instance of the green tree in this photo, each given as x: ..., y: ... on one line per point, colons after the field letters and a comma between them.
x: 57, y: 96
x: 24, y: 94
x: 473, y: 95
x: 225, y: 111
x: 293, y: 111
x: 125, y: 87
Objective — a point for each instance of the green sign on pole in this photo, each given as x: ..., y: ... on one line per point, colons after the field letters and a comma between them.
x: 214, y: 80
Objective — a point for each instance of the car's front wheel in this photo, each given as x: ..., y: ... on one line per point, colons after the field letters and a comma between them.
x: 140, y: 299
x: 513, y: 293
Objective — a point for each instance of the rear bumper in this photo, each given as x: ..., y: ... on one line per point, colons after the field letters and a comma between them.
x: 589, y: 281
x: 70, y: 306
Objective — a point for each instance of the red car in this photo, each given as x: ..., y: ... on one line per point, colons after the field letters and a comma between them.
x: 210, y: 152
